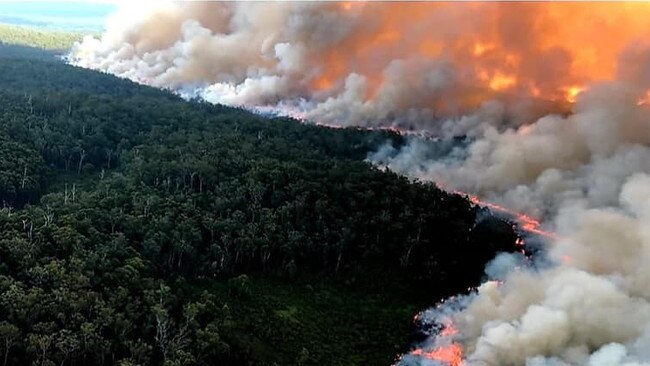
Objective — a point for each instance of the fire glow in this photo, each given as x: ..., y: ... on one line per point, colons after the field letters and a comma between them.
x: 487, y: 52
x: 449, y: 352
x: 526, y: 223
x: 451, y: 355
x: 383, y: 59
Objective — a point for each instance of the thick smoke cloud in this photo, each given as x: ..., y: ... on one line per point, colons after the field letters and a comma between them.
x: 582, y: 158
x: 592, y: 309
x: 409, y: 65
x: 588, y: 174
x: 498, y: 84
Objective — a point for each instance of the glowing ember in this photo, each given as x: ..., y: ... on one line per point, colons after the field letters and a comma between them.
x: 519, y: 242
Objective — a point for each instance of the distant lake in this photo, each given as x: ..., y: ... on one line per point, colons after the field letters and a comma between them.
x: 72, y: 16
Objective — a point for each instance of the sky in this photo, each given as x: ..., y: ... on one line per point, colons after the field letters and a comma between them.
x: 63, y: 15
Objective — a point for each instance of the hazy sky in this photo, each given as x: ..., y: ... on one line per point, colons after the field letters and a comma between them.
x: 69, y: 15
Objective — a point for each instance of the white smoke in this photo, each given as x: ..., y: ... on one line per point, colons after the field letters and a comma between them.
x: 584, y: 157
x: 361, y: 64
x: 586, y: 173
x: 591, y: 309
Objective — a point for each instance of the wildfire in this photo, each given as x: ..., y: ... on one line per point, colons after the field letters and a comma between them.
x: 447, y: 350
x: 323, y: 83
x: 556, y: 36
x: 501, y: 82
x: 526, y: 223
x: 572, y: 92
x: 481, y: 48
x: 449, y: 353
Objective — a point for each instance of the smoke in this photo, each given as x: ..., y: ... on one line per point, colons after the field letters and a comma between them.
x: 588, y: 174
x: 539, y: 107
x: 584, y: 157
x: 590, y: 310
x: 410, y: 65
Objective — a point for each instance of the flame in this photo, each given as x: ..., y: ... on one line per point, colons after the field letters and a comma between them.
x: 451, y: 355
x: 447, y: 350
x: 380, y: 59
x: 572, y: 92
x: 543, y: 50
x: 502, y: 82
x: 481, y: 48
x: 526, y: 223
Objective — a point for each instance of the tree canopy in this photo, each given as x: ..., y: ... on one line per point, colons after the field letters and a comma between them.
x: 139, y: 228
x: 38, y: 38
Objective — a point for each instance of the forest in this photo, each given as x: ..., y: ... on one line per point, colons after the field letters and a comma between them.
x: 38, y: 38
x: 138, y: 228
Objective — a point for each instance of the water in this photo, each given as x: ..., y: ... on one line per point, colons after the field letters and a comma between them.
x: 56, y: 15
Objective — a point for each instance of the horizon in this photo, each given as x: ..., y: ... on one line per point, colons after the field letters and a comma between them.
x: 78, y: 16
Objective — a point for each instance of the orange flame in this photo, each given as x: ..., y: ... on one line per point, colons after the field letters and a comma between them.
x: 501, y: 82
x: 451, y: 355
x: 572, y: 92
x: 527, y: 223
x: 451, y: 352
x: 548, y: 50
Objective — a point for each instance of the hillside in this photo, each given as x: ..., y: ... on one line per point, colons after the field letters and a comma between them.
x: 43, y: 39
x: 139, y: 228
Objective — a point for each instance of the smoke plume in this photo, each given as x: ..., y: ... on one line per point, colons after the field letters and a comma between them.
x: 539, y: 107
x: 410, y: 65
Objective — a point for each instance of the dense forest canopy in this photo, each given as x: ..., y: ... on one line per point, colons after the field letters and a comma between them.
x: 37, y: 38
x: 138, y: 228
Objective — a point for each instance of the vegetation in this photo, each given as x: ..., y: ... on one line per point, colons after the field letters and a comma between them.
x: 138, y: 228
x: 44, y: 39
